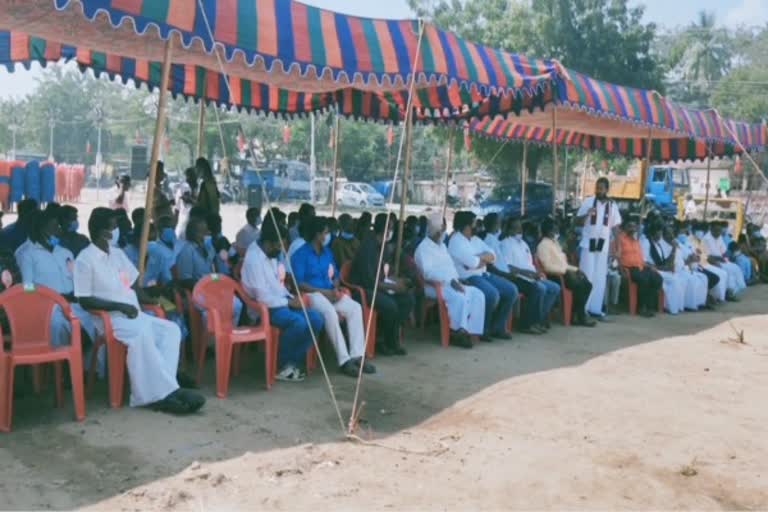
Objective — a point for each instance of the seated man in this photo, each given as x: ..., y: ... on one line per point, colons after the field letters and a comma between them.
x: 696, y: 283
x: 262, y: 282
x: 46, y: 263
x: 718, y: 257
x: 661, y: 256
x: 250, y: 232
x: 541, y: 294
x: 555, y: 264
x: 345, y: 247
x: 648, y: 281
x: 466, y: 304
x: 317, y: 276
x: 719, y: 284
x: 104, y: 279
x: 738, y: 252
x: 70, y: 238
x: 471, y: 256
x: 14, y: 235
x: 225, y: 255
x: 394, y: 301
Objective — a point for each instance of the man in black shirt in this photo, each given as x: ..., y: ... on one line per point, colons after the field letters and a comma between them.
x: 394, y: 301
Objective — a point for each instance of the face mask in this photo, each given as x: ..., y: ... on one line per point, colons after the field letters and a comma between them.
x: 699, y: 234
x: 347, y: 236
x: 74, y: 226
x: 683, y: 239
x: 519, y: 237
x: 327, y: 239
x: 115, y: 239
x: 54, y: 241
x: 168, y: 236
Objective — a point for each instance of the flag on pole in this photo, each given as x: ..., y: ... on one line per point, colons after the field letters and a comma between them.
x: 390, y: 136
x: 287, y: 135
x: 467, y: 138
x: 88, y: 148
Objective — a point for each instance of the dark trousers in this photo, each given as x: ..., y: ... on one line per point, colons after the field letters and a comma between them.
x: 649, y: 282
x: 581, y: 288
x: 392, y: 311
x: 712, y: 279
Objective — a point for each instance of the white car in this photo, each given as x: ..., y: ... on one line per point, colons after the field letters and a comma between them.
x: 359, y: 195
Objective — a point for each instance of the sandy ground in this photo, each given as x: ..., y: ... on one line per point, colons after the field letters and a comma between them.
x: 663, y: 414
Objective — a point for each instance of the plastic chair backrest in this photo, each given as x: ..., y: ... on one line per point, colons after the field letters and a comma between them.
x: 216, y: 291
x: 29, y: 309
x: 346, y: 273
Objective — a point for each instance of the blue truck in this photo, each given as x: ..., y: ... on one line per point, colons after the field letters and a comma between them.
x: 284, y: 180
x: 506, y: 200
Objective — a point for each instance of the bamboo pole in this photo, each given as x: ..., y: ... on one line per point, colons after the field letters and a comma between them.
x: 156, y: 142
x: 336, y: 126
x: 404, y: 190
x: 706, y: 192
x: 201, y: 129
x: 524, y: 178
x: 555, y: 159
x: 448, y: 172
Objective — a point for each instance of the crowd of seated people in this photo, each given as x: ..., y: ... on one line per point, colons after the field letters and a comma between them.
x: 486, y: 271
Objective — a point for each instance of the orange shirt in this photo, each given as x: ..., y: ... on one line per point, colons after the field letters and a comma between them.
x: 631, y: 252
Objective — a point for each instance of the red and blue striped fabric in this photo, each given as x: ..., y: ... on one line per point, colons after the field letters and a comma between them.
x: 288, y: 35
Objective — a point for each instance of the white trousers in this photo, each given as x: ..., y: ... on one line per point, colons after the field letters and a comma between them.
x: 595, y: 267
x: 465, y: 310
x: 674, y: 292
x: 352, y: 312
x: 153, y: 355
x: 719, y: 291
x: 736, y: 282
x: 696, y: 284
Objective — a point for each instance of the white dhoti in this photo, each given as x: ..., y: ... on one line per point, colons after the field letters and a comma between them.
x: 736, y: 282
x: 465, y: 310
x: 695, y: 288
x: 674, y: 292
x: 720, y: 290
x: 595, y: 267
x: 153, y: 355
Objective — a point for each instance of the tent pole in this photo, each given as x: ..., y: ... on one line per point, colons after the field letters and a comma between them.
x: 156, y: 142
x: 448, y: 172
x: 335, y: 164
x: 404, y: 190
x: 523, y: 178
x: 201, y: 129
x: 555, y: 158
x: 709, y: 169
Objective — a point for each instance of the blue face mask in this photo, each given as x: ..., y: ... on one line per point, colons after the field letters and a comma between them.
x: 168, y: 236
x: 682, y: 238
x: 347, y: 236
x: 54, y: 241
x: 74, y: 226
x: 208, y: 241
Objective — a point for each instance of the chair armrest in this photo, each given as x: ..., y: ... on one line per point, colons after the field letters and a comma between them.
x: 106, y: 318
x: 250, y: 303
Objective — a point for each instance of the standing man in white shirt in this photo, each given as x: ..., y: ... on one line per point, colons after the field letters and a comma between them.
x: 263, y: 281
x: 715, y: 246
x: 600, y: 217
x: 250, y: 232
x: 466, y: 304
x: 105, y: 279
x: 472, y: 257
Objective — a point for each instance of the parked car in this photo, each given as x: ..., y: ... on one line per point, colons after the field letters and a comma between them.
x: 359, y: 194
x: 506, y: 201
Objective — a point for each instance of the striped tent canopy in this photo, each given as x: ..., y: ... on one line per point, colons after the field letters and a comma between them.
x: 662, y: 150
x: 438, y: 103
x: 283, y: 43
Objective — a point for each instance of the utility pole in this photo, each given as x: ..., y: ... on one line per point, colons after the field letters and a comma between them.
x: 99, y: 116
x: 312, y: 158
x: 14, y: 127
x: 51, y: 126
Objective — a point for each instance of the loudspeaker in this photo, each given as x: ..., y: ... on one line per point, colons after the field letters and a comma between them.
x: 139, y: 163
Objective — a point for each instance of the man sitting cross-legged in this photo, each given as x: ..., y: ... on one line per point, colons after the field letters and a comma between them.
x: 466, y: 304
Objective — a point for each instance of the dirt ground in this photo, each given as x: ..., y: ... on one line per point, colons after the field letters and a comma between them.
x: 636, y: 414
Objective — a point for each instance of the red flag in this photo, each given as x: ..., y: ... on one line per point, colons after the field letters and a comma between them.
x: 88, y: 148
x: 287, y: 135
x: 467, y: 139
x: 390, y: 136
x: 738, y: 169
x: 241, y: 145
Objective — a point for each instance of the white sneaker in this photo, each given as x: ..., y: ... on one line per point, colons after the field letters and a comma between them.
x: 290, y: 374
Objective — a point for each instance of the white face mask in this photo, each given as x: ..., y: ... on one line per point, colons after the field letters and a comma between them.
x: 113, y: 242
x: 327, y: 239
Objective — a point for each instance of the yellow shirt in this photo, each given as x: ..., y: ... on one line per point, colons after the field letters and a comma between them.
x: 552, y: 258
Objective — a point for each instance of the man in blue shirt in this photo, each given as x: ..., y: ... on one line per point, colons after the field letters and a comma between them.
x: 13, y: 235
x: 46, y: 263
x: 318, y: 277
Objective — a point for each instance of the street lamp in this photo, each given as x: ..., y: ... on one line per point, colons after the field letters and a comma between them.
x: 51, y: 125
x: 14, y: 127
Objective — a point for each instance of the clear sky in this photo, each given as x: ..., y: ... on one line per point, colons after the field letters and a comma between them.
x: 667, y: 13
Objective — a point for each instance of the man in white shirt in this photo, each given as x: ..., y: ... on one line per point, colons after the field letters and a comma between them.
x: 541, y: 294
x: 690, y: 207
x: 250, y: 232
x: 717, y: 250
x: 104, y: 279
x: 696, y: 284
x: 600, y: 216
x: 465, y: 304
x: 471, y: 256
x: 262, y: 278
x: 661, y: 255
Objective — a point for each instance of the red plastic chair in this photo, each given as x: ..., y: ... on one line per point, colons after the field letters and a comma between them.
x: 214, y: 294
x: 29, y: 310
x: 633, y: 293
x: 566, y: 296
x: 370, y: 348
